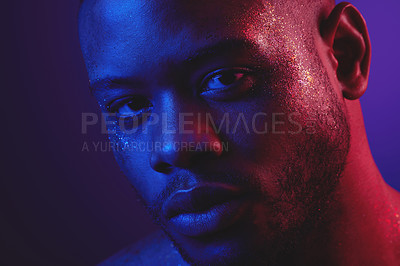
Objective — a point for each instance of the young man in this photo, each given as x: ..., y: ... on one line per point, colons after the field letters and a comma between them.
x: 238, y: 123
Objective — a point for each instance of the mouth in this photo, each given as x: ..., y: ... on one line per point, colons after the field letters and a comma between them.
x: 205, y: 209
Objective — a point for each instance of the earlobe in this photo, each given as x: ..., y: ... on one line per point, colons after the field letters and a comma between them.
x: 346, y: 34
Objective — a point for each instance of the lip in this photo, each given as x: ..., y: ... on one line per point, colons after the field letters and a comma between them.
x: 205, y: 209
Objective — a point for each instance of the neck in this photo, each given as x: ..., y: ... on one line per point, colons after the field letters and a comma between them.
x: 367, y: 229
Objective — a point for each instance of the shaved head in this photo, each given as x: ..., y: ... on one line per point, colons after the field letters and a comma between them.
x: 168, y: 18
x: 164, y: 52
x: 238, y: 125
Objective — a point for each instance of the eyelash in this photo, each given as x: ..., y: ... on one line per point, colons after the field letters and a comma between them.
x: 116, y: 105
x: 219, y: 94
x: 236, y: 87
x: 209, y: 76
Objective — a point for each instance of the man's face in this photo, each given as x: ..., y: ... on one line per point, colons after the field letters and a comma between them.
x: 248, y: 190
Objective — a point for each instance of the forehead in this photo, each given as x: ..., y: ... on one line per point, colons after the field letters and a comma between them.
x: 117, y: 35
x: 171, y: 15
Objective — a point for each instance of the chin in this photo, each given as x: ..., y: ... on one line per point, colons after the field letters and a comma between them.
x: 256, y: 239
x: 243, y: 243
x: 224, y: 248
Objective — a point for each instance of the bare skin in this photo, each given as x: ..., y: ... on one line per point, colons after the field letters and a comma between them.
x: 368, y: 232
x: 320, y: 197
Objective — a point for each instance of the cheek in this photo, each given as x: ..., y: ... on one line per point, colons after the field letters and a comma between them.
x: 147, y: 182
x: 267, y: 130
x: 132, y: 154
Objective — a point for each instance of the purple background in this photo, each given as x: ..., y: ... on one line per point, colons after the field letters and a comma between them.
x: 61, y: 206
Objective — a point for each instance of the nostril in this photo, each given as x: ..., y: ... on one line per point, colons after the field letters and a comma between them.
x: 163, y: 167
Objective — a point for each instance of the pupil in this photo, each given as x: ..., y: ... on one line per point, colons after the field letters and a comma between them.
x: 137, y: 105
x: 227, y: 79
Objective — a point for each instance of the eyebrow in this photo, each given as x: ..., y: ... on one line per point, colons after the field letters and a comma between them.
x: 109, y: 82
x: 199, y: 56
x: 218, y: 49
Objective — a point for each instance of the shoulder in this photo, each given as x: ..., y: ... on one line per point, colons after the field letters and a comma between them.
x: 155, y: 249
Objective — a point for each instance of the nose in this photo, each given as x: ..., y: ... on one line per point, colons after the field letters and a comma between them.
x: 186, y: 138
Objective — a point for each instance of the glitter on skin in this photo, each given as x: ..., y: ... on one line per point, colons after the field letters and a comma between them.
x: 295, y: 174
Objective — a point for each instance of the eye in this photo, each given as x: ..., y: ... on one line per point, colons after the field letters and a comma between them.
x: 133, y: 106
x: 225, y: 84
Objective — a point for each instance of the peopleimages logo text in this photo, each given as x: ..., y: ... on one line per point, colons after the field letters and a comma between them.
x: 191, y: 123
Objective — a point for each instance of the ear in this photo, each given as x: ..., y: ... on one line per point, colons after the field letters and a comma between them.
x: 346, y: 34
